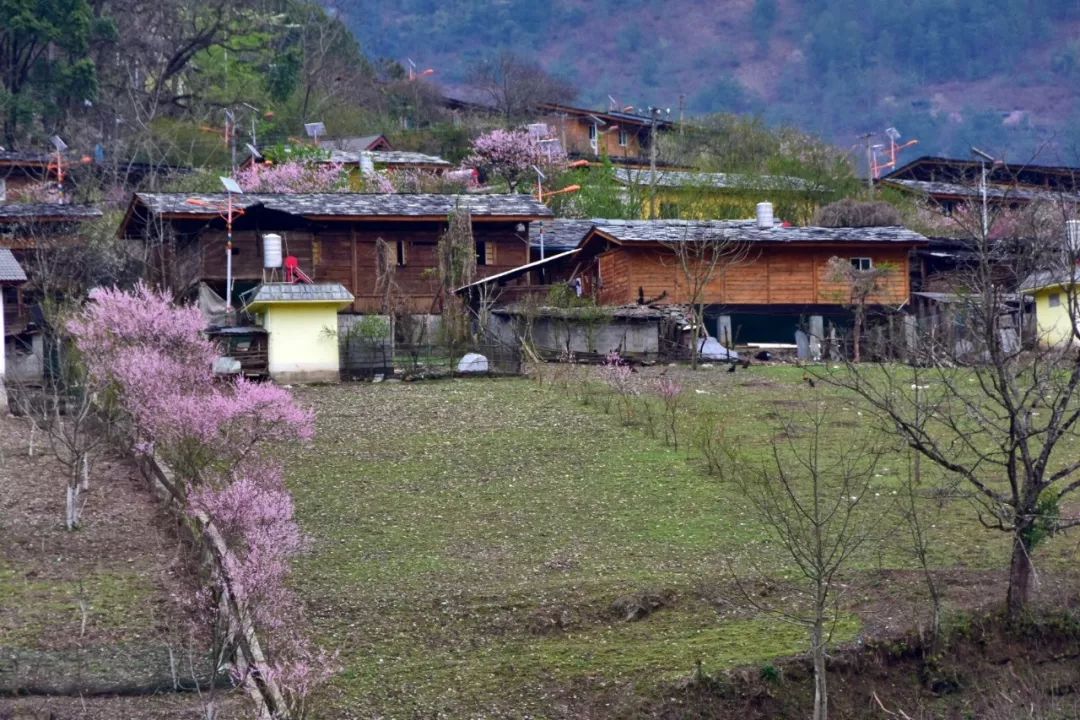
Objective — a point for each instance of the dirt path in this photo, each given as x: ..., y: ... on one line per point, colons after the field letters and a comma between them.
x: 101, y: 610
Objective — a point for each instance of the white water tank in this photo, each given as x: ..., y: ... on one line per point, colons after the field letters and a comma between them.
x: 271, y: 250
x: 764, y: 215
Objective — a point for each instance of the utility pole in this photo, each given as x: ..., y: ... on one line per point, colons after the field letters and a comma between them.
x: 867, y: 137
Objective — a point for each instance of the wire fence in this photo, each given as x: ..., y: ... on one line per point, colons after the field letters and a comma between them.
x: 369, y: 358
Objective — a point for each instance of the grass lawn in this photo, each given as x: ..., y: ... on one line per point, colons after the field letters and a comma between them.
x: 470, y: 537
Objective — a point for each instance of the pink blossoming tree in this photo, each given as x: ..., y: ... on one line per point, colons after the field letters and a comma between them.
x: 510, y: 155
x: 294, y: 176
x: 150, y: 363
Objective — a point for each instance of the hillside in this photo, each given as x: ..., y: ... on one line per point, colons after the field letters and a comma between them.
x: 1001, y: 74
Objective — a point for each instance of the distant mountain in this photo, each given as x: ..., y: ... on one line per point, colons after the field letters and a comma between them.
x: 1000, y: 74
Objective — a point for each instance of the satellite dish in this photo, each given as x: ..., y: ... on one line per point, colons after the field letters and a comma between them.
x: 59, y: 144
x: 231, y: 185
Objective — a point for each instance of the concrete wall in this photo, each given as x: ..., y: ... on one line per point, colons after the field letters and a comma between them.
x: 303, y: 342
x: 638, y: 337
x: 25, y: 364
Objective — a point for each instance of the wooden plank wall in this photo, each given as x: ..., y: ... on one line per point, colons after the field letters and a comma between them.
x: 771, y: 276
x: 346, y: 253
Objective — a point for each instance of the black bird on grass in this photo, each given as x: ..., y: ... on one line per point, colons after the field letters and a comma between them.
x: 808, y: 380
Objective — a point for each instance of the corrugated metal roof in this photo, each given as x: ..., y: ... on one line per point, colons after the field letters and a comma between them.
x: 349, y: 204
x: 1050, y: 278
x: 10, y: 270
x: 674, y: 231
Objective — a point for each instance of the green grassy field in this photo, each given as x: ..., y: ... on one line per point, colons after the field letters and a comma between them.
x: 470, y: 537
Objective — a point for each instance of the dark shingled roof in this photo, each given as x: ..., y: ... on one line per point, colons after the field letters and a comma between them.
x: 357, y: 205
x: 387, y: 157
x: 682, y: 178
x: 673, y: 231
x: 561, y: 233
x: 46, y: 212
x: 23, y: 157
x: 287, y: 292
x: 353, y: 144
x: 10, y: 270
x: 972, y: 192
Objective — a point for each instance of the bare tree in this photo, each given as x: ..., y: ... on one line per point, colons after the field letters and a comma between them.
x: 701, y: 257
x: 456, y: 252
x: 515, y: 84
x: 64, y: 411
x: 1000, y: 417
x: 815, y: 500
x: 860, y: 285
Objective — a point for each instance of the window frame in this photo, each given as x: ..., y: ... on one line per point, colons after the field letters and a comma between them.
x: 862, y: 263
x: 1053, y: 300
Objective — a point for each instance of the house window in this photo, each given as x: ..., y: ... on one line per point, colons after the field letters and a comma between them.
x: 624, y: 138
x: 399, y: 250
x: 1054, y: 300
x: 593, y: 132
x: 862, y: 263
x: 485, y: 252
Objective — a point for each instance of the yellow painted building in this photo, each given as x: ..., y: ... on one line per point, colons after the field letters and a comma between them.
x: 301, y: 321
x: 1054, y: 293
x: 691, y: 195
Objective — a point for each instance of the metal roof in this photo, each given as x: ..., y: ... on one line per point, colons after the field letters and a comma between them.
x: 516, y: 272
x: 682, y: 178
x: 303, y: 293
x: 1050, y: 278
x: 358, y: 205
x: 674, y: 231
x: 10, y: 270
x: 46, y: 212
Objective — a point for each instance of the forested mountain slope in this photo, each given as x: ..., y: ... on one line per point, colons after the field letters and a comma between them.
x: 997, y: 73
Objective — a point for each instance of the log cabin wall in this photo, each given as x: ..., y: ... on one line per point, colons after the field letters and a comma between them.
x: 573, y: 133
x: 770, y: 275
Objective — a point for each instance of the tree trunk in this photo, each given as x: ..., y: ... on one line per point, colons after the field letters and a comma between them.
x: 71, y: 508
x: 821, y: 695
x: 1020, y: 573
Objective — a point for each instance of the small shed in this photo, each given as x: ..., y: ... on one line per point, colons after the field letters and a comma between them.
x: 11, y: 273
x: 301, y: 321
x: 1055, y: 293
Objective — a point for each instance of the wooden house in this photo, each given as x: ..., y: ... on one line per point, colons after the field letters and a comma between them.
x: 625, y: 137
x: 950, y: 182
x: 778, y: 276
x: 26, y: 174
x: 36, y: 235
x: 691, y: 195
x: 333, y: 237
